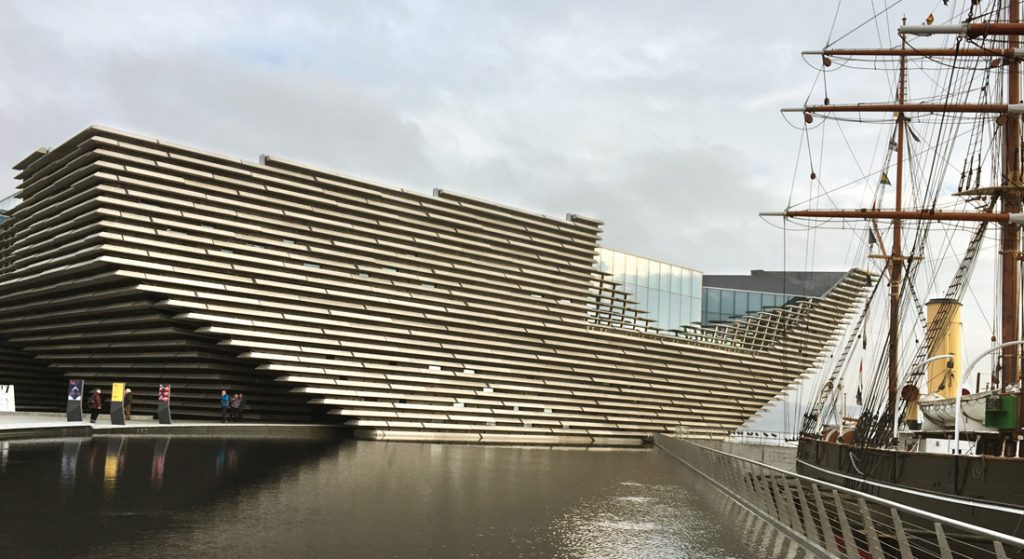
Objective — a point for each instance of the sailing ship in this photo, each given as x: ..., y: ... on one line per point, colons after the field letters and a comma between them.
x: 931, y: 432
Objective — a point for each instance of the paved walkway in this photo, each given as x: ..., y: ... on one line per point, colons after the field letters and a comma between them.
x: 40, y: 425
x: 35, y: 418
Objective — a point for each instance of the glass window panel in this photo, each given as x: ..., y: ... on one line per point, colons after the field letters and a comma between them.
x: 728, y: 302
x: 664, y: 305
x: 742, y: 303
x: 641, y: 297
x: 755, y: 301
x: 602, y: 260
x: 643, y: 272
x: 619, y: 266
x: 629, y: 271
x: 654, y: 273
x: 713, y: 298
x: 696, y: 280
x: 677, y: 279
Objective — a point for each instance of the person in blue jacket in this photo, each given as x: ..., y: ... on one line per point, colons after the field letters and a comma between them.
x: 225, y: 403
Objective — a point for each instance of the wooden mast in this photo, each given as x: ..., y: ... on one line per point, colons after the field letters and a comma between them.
x: 1011, y: 202
x: 896, y: 261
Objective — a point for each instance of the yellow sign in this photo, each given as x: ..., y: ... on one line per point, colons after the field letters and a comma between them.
x: 117, y: 392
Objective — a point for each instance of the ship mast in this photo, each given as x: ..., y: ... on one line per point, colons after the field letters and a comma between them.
x: 1011, y: 202
x: 896, y: 265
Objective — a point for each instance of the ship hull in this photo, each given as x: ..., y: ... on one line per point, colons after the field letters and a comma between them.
x: 981, y: 490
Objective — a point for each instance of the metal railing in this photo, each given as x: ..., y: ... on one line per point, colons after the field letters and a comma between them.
x: 834, y: 521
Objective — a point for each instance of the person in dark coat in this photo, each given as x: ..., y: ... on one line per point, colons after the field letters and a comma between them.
x: 236, y: 402
x: 95, y: 405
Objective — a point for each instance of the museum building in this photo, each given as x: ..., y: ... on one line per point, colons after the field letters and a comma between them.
x: 398, y: 314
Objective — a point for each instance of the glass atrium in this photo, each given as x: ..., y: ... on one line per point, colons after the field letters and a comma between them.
x: 670, y: 294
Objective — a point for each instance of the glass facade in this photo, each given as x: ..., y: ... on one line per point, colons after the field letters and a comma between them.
x: 8, y: 204
x: 670, y: 294
x: 722, y: 305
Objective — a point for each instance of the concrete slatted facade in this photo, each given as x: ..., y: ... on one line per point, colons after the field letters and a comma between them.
x: 400, y: 314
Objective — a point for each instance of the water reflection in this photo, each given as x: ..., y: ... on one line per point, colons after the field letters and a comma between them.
x: 112, y: 463
x: 164, y: 497
x: 124, y: 490
x: 156, y: 470
x: 69, y: 463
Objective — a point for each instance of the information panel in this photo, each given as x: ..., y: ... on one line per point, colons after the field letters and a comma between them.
x: 6, y: 397
x: 163, y: 404
x: 75, y: 389
x: 117, y: 416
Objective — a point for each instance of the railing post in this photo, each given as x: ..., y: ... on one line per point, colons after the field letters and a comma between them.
x: 874, y: 546
x: 901, y: 536
x: 827, y: 532
x: 779, y: 497
x: 809, y: 530
x: 773, y: 498
x: 849, y: 543
x: 940, y: 537
x: 790, y: 502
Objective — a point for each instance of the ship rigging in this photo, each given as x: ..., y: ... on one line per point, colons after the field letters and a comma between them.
x: 977, y: 88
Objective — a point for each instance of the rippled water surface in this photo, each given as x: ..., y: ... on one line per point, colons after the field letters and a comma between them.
x: 208, y: 497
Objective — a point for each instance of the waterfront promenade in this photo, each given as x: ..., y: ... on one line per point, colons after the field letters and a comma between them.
x: 32, y: 425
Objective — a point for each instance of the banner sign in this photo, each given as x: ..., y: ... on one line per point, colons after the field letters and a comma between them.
x: 163, y: 404
x: 6, y: 397
x: 76, y: 387
x: 117, y: 392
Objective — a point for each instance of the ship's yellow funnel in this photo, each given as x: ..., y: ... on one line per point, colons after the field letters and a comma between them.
x: 943, y: 379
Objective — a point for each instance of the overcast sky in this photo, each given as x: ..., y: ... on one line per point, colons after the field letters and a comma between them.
x: 660, y: 118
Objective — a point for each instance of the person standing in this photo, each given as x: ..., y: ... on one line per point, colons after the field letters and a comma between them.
x: 95, y: 405
x: 236, y: 401
x: 127, y: 404
x: 225, y: 405
x: 241, y: 405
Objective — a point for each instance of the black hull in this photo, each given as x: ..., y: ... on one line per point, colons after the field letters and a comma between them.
x: 985, y: 491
